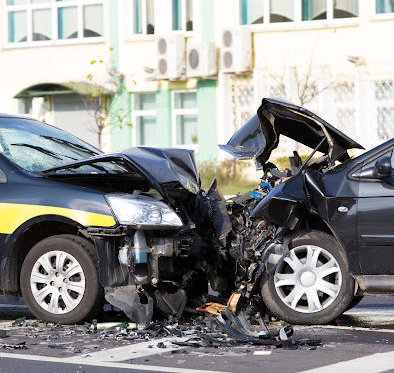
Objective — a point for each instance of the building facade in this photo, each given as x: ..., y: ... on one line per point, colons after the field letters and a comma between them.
x: 328, y: 55
x: 46, y: 49
x: 332, y: 56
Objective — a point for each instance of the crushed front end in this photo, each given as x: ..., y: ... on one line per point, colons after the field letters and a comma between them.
x: 168, y: 247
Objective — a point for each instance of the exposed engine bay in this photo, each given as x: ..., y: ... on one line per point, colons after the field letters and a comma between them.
x: 156, y: 273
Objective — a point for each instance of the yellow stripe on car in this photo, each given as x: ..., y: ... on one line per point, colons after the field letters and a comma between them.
x: 12, y: 215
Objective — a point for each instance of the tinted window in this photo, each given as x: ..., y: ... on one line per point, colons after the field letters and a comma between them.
x: 36, y: 146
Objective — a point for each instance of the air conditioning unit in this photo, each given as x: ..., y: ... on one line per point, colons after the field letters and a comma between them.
x: 236, y: 50
x: 200, y: 59
x: 170, y: 56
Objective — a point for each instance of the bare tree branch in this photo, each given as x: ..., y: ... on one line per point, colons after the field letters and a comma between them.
x: 98, y: 96
x: 306, y: 84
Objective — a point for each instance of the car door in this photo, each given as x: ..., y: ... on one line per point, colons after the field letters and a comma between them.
x: 375, y: 221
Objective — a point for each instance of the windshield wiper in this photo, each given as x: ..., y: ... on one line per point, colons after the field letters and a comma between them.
x: 40, y: 149
x: 70, y: 144
x: 46, y: 151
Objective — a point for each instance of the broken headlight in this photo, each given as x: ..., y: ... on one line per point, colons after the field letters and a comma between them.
x: 142, y: 211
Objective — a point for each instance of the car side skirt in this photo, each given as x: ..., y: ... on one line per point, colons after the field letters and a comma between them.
x: 375, y: 284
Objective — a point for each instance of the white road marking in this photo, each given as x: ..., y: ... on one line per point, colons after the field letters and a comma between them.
x: 82, y: 361
x: 6, y: 324
x: 134, y: 351
x: 368, y: 364
x: 370, y: 311
x: 338, y: 327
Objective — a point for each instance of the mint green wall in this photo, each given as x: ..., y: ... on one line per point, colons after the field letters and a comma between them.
x: 121, y: 123
x: 208, y: 20
x: 206, y: 95
x: 207, y: 133
x: 163, y: 118
x: 120, y: 107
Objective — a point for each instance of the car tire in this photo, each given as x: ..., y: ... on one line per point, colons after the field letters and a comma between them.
x: 354, y: 302
x: 321, y: 270
x: 59, y: 280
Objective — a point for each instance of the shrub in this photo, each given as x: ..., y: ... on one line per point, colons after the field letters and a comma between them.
x: 230, y: 175
x: 282, y: 162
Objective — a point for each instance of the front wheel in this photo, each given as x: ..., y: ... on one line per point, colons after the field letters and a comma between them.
x: 59, y: 280
x: 312, y: 285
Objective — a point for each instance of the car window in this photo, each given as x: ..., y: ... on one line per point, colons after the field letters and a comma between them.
x: 35, y: 146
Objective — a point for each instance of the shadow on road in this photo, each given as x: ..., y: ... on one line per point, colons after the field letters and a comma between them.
x: 372, y: 312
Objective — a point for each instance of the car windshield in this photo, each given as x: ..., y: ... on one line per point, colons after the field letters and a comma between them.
x: 35, y: 146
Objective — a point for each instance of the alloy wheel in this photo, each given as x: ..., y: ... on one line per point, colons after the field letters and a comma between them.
x: 309, y: 279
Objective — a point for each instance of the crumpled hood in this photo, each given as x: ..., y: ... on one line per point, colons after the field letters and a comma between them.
x: 260, y: 135
x: 160, y: 166
x: 168, y: 165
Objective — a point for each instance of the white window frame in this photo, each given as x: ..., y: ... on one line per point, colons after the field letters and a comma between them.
x: 53, y: 6
x: 338, y: 105
x: 177, y: 111
x: 381, y: 16
x: 381, y: 104
x: 136, y: 113
x: 298, y: 23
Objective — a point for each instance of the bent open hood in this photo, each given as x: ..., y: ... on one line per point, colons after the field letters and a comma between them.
x: 260, y: 135
x: 167, y: 165
x: 161, y: 167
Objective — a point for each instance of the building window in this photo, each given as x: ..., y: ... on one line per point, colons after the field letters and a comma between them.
x: 274, y: 11
x: 43, y: 20
x: 317, y: 9
x: 384, y: 6
x: 344, y: 107
x: 68, y: 22
x: 281, y: 11
x: 144, y: 114
x: 252, y: 12
x: 314, y: 9
x: 144, y: 17
x: 92, y: 21
x: 182, y: 15
x: 42, y: 29
x: 345, y: 8
x: 384, y: 97
x: 17, y: 26
x: 185, y: 117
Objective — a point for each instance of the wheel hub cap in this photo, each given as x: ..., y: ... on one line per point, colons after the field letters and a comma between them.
x: 57, y: 282
x: 308, y: 280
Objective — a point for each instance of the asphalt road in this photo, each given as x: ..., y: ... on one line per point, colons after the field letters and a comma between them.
x: 362, y: 340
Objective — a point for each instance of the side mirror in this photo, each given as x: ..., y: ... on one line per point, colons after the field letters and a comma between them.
x: 382, y: 168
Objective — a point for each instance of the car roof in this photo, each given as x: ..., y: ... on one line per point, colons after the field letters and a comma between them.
x: 4, y: 115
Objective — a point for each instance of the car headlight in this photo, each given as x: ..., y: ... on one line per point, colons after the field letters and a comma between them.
x: 142, y: 211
